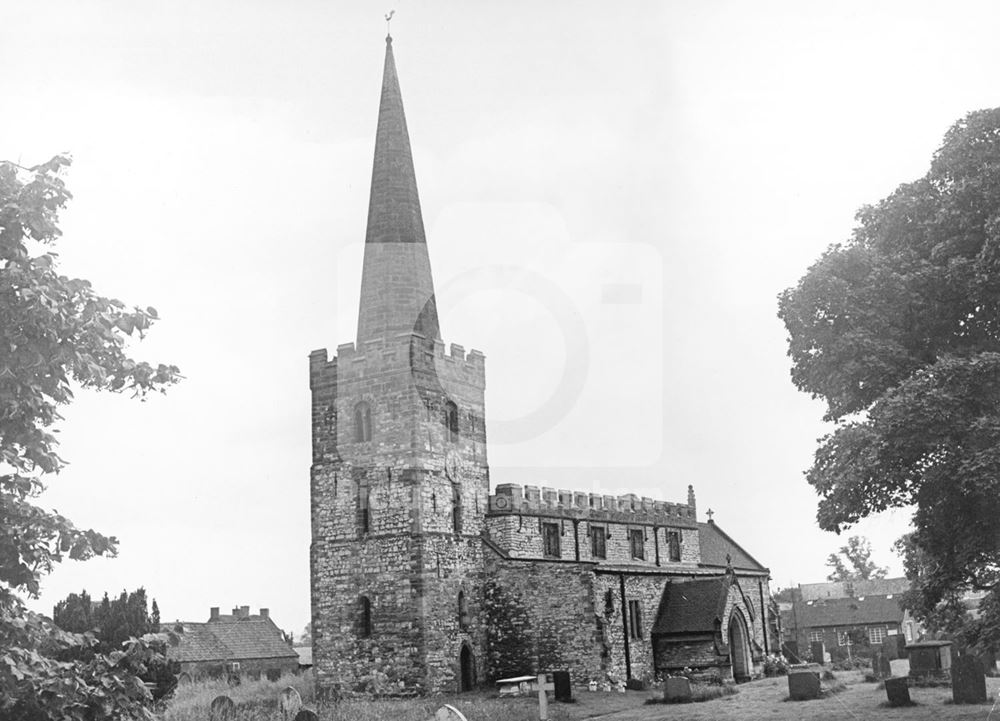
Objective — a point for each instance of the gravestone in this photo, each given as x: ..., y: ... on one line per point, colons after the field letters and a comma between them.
x: 306, y: 715
x: 543, y: 698
x: 677, y: 689
x: 881, y: 666
x: 289, y: 703
x: 803, y: 685
x: 897, y: 691
x: 221, y: 709
x: 968, y: 681
x: 818, y: 651
x: 564, y: 689
x: 448, y: 713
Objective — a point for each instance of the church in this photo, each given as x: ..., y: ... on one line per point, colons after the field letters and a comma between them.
x: 426, y: 580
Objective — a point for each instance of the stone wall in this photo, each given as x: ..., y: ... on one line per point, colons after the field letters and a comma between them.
x: 540, y: 617
x: 397, y: 515
x: 614, y: 609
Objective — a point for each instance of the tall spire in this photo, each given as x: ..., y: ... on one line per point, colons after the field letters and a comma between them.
x: 397, y: 291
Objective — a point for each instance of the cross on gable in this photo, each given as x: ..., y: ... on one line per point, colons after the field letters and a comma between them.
x: 710, y: 513
x: 543, y: 699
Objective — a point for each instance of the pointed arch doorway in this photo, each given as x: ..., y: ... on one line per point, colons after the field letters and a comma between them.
x: 467, y: 669
x: 739, y: 648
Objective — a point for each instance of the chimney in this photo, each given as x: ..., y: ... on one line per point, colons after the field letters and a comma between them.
x: 213, y: 613
x: 244, y: 612
x: 236, y: 611
x: 265, y: 613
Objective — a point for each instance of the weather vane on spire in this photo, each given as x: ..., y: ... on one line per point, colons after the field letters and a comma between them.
x: 388, y: 19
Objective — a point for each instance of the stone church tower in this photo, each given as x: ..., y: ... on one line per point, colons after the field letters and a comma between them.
x: 399, y: 474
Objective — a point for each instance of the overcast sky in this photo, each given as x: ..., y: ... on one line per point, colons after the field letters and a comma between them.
x: 614, y: 194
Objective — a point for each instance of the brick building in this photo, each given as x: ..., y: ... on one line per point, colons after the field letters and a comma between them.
x: 239, y: 643
x: 422, y: 579
x: 848, y: 617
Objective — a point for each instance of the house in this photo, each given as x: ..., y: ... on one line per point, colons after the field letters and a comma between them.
x: 237, y: 643
x: 425, y: 576
x: 847, y: 617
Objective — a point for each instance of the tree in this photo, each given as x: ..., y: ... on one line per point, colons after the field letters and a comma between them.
x: 56, y: 334
x: 306, y: 639
x: 853, y: 562
x: 898, y: 330
x: 112, y: 624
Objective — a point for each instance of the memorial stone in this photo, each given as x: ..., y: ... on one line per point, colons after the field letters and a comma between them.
x: 968, y: 681
x: 289, y: 703
x: 677, y: 689
x: 818, y: 651
x: 222, y: 708
x: 803, y: 684
x: 564, y: 689
x: 897, y: 691
x: 448, y: 713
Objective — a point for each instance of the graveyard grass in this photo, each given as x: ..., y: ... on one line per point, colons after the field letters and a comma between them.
x: 756, y: 701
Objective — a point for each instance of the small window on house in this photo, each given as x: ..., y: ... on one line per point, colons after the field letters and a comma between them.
x: 637, y: 542
x: 451, y: 421
x: 674, y: 545
x: 815, y: 637
x: 362, y: 422
x: 365, y: 617
x: 634, y: 619
x: 876, y: 634
x: 550, y: 539
x: 598, y: 547
x: 844, y: 638
x: 456, y: 508
x: 463, y: 612
x: 364, y: 514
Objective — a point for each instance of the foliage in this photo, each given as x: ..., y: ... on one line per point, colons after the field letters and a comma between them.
x: 55, y: 333
x: 775, y: 665
x: 853, y: 562
x: 113, y: 623
x: 700, y: 692
x: 898, y: 330
x: 306, y: 639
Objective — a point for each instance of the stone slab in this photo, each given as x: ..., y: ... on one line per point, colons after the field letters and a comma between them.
x: 222, y: 708
x: 803, y: 685
x: 968, y: 680
x: 897, y: 691
x: 677, y: 689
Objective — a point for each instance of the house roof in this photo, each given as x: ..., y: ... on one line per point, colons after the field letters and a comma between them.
x: 848, y: 589
x: 716, y: 544
x: 230, y: 640
x: 849, y: 611
x: 692, y: 606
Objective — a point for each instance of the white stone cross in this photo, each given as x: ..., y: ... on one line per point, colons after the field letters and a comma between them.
x: 543, y: 699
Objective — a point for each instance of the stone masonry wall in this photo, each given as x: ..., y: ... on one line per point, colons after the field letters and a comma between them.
x: 613, y: 609
x: 384, y: 516
x: 540, y: 618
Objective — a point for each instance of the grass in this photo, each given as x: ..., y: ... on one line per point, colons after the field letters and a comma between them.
x: 756, y: 701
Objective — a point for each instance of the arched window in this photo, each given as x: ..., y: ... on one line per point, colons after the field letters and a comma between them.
x: 451, y: 421
x: 463, y: 611
x: 456, y: 508
x: 365, y: 617
x: 362, y: 422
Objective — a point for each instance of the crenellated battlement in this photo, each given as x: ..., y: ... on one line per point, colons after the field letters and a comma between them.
x: 512, y: 499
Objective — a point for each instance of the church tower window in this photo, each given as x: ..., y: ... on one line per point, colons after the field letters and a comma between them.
x: 674, y: 545
x: 456, y: 508
x: 362, y: 422
x: 550, y: 540
x: 598, y: 545
x: 451, y: 421
x: 637, y: 542
x: 463, y: 611
x: 365, y: 619
x: 364, y: 516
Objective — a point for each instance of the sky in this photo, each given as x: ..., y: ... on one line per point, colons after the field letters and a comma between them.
x: 614, y: 195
